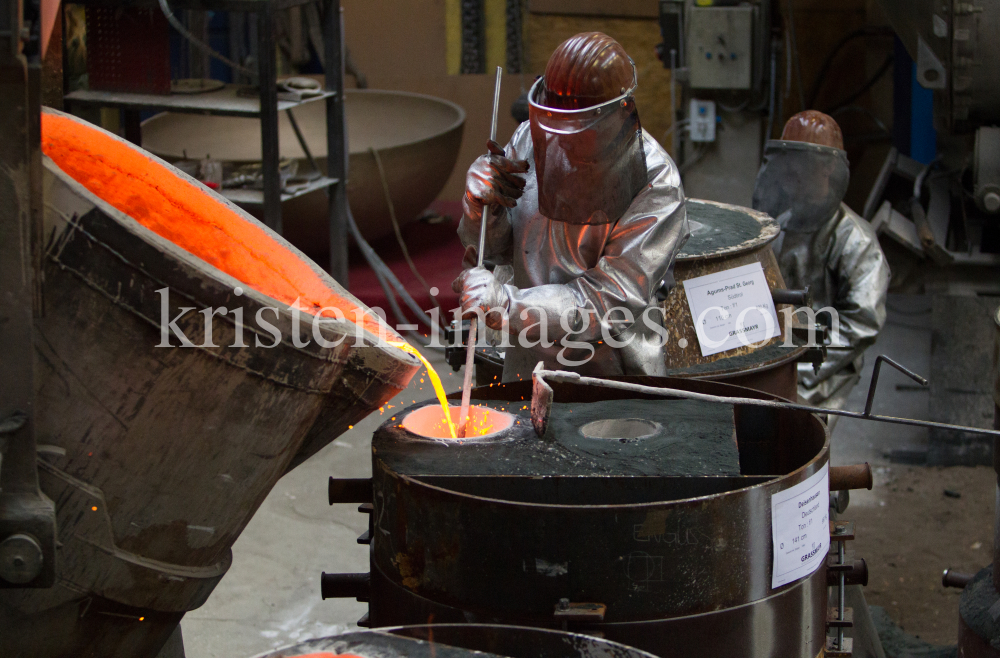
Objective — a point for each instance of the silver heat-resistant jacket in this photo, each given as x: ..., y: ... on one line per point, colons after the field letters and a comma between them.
x: 581, y: 271
x: 844, y: 267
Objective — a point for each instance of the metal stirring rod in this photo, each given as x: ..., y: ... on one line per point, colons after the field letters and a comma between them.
x: 463, y: 416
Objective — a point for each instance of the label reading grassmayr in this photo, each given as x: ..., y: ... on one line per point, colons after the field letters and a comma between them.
x: 800, y: 528
x: 731, y: 308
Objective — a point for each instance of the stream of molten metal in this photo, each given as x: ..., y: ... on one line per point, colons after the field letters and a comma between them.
x: 435, y: 382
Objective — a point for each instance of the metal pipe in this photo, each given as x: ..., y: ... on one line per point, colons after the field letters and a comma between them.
x: 844, y: 478
x: 841, y: 594
x: 349, y: 490
x: 302, y: 141
x: 673, y: 104
x: 493, y: 137
x: 878, y: 365
x: 857, y: 574
x: 956, y: 579
x: 345, y: 585
x: 793, y: 297
x: 771, y: 89
x: 470, y: 349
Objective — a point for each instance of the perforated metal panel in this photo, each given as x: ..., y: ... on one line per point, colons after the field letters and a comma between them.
x: 128, y: 50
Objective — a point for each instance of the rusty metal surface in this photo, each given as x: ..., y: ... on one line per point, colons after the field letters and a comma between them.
x: 159, y: 457
x: 781, y: 380
x: 651, y: 549
x: 855, y: 476
x: 771, y: 369
x: 462, y: 641
x: 723, y: 237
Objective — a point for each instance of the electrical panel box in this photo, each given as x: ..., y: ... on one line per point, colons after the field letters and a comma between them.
x: 702, y: 121
x: 720, y: 46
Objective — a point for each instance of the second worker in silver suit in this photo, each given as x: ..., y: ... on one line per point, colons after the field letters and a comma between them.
x: 585, y: 217
x: 826, y: 247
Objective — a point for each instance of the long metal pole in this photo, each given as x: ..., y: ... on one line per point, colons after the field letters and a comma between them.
x: 27, y: 517
x: 470, y: 350
x: 18, y: 473
x: 573, y: 378
x: 336, y: 138
x: 270, y: 154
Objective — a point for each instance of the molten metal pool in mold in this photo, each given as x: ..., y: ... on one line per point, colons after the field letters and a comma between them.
x: 484, y: 424
x: 621, y: 437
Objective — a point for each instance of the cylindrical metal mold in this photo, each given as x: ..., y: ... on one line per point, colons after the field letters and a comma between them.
x: 157, y: 457
x: 500, y: 540
x: 784, y: 624
x: 461, y: 641
x: 723, y: 237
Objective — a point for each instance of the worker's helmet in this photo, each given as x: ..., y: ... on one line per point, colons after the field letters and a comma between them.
x: 815, y: 128
x: 804, y: 175
x: 586, y: 70
x: 589, y: 157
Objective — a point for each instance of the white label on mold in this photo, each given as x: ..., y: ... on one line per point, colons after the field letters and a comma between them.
x: 800, y: 528
x: 732, y: 308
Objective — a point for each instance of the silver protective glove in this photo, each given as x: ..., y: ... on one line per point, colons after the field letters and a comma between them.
x: 479, y: 289
x: 494, y: 179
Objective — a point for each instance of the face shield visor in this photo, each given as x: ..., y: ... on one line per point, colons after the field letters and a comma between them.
x: 589, y: 163
x: 801, y: 184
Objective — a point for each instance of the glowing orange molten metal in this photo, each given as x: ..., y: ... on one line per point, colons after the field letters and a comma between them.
x: 187, y: 215
x: 483, y: 421
x: 435, y: 382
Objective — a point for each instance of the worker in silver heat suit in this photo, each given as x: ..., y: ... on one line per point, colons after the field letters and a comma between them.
x: 586, y: 215
x: 826, y: 246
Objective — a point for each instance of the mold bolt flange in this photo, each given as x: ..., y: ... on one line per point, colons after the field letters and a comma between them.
x: 20, y: 559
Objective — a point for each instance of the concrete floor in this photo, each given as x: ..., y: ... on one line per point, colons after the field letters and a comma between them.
x: 270, y: 597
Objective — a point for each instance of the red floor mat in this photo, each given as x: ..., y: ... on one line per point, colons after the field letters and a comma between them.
x: 435, y: 250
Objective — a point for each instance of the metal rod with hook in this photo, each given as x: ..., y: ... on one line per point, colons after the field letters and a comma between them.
x: 541, y: 401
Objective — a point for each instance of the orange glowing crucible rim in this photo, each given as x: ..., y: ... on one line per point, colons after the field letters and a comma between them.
x: 189, y: 216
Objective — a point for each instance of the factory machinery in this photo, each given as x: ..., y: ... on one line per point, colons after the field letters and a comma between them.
x: 679, y: 516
